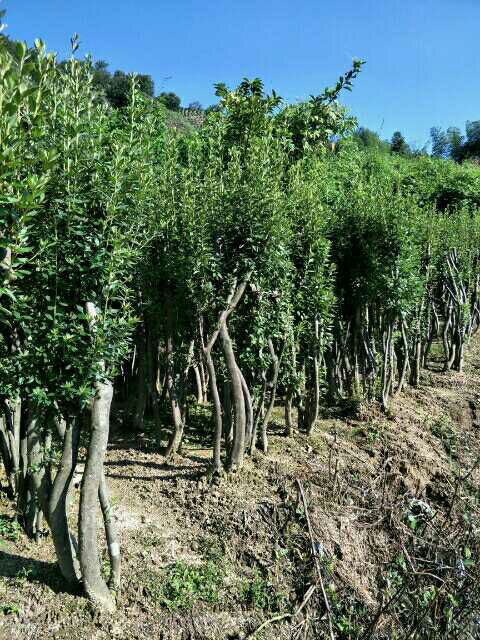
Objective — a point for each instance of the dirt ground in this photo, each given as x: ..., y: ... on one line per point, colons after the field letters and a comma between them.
x: 213, y: 561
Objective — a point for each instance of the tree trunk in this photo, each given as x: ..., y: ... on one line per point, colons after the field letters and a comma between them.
x: 273, y: 391
x: 314, y: 398
x: 93, y: 582
x: 217, y: 412
x: 233, y: 299
x: 203, y: 379
x: 65, y: 545
x: 227, y: 415
x: 387, y: 378
x: 141, y: 382
x: 7, y: 456
x: 38, y: 480
x: 177, y: 418
x: 259, y: 412
x: 248, y: 410
x: 238, y: 448
x: 418, y: 346
x: 111, y: 534
x: 198, y: 383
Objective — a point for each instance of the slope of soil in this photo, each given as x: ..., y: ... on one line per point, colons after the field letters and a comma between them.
x: 213, y: 561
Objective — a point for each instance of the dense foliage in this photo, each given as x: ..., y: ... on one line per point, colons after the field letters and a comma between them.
x: 247, y: 260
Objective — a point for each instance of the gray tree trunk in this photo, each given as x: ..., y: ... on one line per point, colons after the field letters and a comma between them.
x: 111, y: 535
x: 93, y: 582
x: 65, y: 545
x: 238, y: 447
x: 217, y: 411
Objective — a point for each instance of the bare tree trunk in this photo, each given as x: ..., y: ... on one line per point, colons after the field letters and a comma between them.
x: 387, y: 367
x: 176, y: 399
x: 314, y: 404
x: 227, y: 415
x: 290, y: 390
x: 39, y: 480
x: 7, y: 456
x: 248, y: 410
x: 418, y: 347
x: 178, y: 423
x: 273, y: 390
x: 217, y: 412
x: 65, y: 546
x: 259, y: 413
x: 141, y: 382
x: 155, y: 390
x: 198, y: 382
x: 203, y: 378
x: 93, y: 582
x: 13, y: 424
x: 25, y: 497
x: 446, y: 343
x: 238, y: 448
x: 207, y: 346
x: 111, y: 534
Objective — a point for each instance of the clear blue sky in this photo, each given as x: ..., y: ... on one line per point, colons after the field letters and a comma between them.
x: 423, y: 60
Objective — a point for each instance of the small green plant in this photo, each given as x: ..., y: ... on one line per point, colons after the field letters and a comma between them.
x: 9, y: 529
x: 259, y: 593
x: 182, y: 585
x: 370, y: 431
x: 23, y: 576
x: 10, y: 608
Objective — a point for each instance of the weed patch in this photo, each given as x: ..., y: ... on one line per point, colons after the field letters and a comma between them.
x: 9, y: 529
x: 182, y: 585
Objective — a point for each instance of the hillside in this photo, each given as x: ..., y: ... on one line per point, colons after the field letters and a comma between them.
x: 393, y: 503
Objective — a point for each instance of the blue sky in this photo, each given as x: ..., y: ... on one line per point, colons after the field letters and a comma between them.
x: 423, y: 60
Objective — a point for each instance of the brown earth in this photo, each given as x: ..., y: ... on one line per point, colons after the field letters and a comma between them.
x: 246, y: 535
